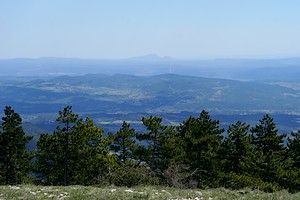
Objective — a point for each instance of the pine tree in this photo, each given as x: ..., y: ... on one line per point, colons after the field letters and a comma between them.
x: 155, y: 138
x: 266, y: 137
x: 90, y: 157
x: 49, y: 166
x: 270, y: 163
x: 124, y: 143
x: 131, y: 168
x: 237, y: 149
x: 75, y: 153
x: 294, y: 148
x: 202, y: 140
x: 68, y: 119
x: 293, y: 155
x: 15, y: 161
x: 237, y: 155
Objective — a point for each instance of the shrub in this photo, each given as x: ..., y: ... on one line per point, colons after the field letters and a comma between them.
x: 128, y: 175
x: 237, y: 181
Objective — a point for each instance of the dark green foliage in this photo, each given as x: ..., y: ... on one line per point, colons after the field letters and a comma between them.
x: 68, y: 119
x: 266, y: 137
x: 49, y: 166
x: 236, y: 148
x: 155, y: 138
x: 15, y: 161
x: 293, y: 154
x: 90, y: 153
x: 238, y: 181
x: 123, y: 143
x: 270, y: 163
x: 191, y: 155
x: 74, y: 154
x: 130, y: 175
x: 294, y: 148
x: 202, y: 141
x: 237, y: 155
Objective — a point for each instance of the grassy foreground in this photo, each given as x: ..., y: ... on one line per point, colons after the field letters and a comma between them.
x: 147, y: 192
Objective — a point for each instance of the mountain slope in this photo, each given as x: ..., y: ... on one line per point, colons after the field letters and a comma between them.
x: 151, y: 94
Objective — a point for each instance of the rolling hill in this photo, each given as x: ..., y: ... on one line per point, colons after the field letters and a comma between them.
x: 151, y: 94
x: 110, y: 99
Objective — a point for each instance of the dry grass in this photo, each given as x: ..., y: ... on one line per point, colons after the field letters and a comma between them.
x: 147, y: 192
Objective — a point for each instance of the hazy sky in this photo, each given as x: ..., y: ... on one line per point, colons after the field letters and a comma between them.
x: 126, y: 28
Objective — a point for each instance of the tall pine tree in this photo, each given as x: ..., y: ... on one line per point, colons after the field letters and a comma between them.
x: 155, y: 137
x: 68, y: 119
x: 76, y: 153
x: 294, y: 148
x: 236, y: 148
x: 293, y: 154
x: 124, y: 143
x: 15, y: 161
x: 202, y: 141
x: 237, y: 156
x: 270, y: 163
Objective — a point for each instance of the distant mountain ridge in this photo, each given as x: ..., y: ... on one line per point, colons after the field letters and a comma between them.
x: 286, y: 69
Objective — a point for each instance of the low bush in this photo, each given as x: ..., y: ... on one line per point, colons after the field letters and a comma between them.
x: 129, y: 175
x: 237, y: 181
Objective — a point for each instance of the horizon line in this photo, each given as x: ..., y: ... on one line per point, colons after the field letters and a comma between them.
x: 150, y: 57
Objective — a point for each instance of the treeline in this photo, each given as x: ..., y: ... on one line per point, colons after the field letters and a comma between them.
x: 194, y: 154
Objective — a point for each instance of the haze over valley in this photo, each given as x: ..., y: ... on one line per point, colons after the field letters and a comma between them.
x: 114, y: 90
x: 280, y: 69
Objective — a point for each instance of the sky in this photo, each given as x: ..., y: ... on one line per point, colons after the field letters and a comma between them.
x: 116, y: 29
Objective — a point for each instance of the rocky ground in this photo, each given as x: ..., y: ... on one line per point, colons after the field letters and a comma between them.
x: 146, y: 192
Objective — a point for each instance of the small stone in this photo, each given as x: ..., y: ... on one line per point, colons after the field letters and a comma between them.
x: 128, y: 190
x: 199, y: 193
x: 14, y: 187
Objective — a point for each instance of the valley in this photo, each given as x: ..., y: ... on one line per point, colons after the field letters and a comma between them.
x: 110, y: 91
x: 111, y: 99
